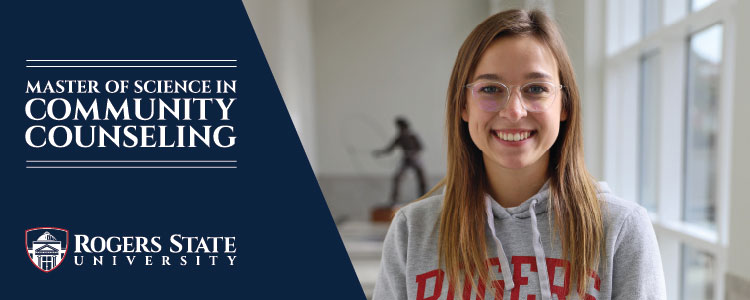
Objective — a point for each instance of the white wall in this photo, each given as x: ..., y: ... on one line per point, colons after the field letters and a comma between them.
x: 375, y: 60
x: 586, y: 47
x: 501, y: 5
x: 284, y: 29
x: 739, y: 239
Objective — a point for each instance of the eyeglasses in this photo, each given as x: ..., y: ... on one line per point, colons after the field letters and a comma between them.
x: 493, y: 96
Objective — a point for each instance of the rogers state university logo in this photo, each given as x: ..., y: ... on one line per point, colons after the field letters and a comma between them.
x: 46, y: 247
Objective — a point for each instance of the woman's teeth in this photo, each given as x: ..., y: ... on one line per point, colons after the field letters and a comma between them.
x: 513, y: 137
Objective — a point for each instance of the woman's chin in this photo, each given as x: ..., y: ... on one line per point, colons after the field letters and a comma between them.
x: 515, y: 165
x: 512, y: 163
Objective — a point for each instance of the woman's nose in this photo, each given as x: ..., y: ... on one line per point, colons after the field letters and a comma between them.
x: 514, y: 109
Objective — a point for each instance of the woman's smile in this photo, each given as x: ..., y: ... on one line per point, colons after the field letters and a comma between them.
x: 513, y: 137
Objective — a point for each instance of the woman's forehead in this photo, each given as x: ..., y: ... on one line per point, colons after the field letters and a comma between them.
x: 517, y: 58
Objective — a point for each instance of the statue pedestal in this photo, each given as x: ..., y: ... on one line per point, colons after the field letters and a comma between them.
x: 383, y: 214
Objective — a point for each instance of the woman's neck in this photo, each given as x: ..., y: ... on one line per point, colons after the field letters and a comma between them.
x: 511, y: 187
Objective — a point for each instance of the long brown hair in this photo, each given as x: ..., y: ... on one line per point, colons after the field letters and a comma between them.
x: 573, y: 195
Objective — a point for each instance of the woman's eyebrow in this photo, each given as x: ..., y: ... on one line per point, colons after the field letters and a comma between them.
x: 488, y: 76
x: 538, y: 75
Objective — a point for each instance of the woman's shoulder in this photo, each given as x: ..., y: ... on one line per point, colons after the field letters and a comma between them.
x: 613, y: 202
x: 621, y: 214
x: 419, y: 218
x: 425, y: 209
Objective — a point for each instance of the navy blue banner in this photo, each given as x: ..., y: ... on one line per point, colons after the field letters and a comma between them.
x: 147, y: 153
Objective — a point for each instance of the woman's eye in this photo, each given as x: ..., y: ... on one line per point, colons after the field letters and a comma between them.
x: 537, y: 89
x: 490, y: 89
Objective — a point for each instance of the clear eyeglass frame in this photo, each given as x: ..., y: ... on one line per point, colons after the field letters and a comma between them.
x: 494, y: 104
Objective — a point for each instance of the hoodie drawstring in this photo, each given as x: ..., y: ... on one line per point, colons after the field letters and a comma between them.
x: 504, y: 265
x: 541, y: 262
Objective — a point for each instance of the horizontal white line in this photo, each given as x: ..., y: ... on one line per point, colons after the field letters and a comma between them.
x: 30, y: 60
x: 131, y: 66
x: 134, y: 161
x: 131, y: 167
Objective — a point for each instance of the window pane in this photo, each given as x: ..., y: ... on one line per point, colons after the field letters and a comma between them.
x: 696, y: 5
x: 649, y: 131
x: 698, y: 271
x: 704, y: 64
x: 651, y: 13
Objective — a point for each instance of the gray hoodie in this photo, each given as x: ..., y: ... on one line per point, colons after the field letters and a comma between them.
x: 524, y: 258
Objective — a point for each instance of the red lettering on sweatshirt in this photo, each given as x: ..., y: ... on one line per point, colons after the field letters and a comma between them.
x: 552, y: 265
x: 467, y: 290
x: 499, y: 285
x: 422, y: 284
x: 597, y: 284
x: 518, y: 279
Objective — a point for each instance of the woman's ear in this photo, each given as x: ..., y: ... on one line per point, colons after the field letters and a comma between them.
x: 465, y: 114
x: 563, y: 115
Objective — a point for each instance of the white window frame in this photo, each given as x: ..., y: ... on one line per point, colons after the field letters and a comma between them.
x: 623, y: 51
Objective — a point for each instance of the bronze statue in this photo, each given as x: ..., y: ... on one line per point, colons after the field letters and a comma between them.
x: 409, y: 143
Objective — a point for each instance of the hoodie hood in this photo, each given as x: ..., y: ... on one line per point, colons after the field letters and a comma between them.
x: 529, y: 209
x: 521, y: 211
x: 542, y: 198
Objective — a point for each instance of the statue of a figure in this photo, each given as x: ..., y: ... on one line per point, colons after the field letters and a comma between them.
x: 409, y: 143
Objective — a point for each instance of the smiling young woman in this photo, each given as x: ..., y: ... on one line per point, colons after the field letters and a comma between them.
x: 516, y: 177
